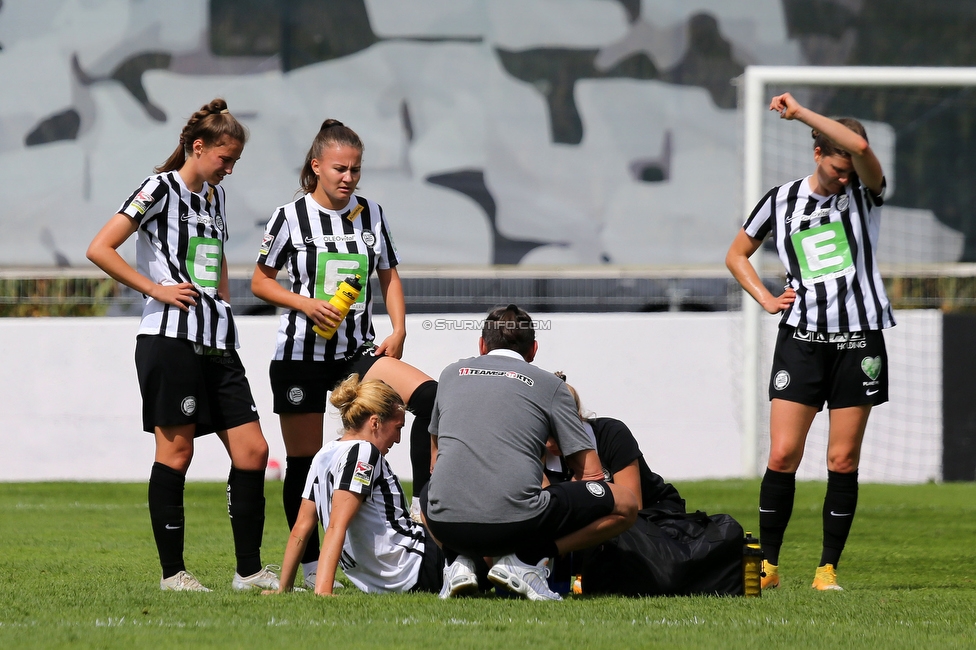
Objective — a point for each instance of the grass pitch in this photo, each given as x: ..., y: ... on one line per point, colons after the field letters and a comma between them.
x: 78, y: 567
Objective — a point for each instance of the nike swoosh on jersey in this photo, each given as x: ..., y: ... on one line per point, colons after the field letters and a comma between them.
x: 871, y: 392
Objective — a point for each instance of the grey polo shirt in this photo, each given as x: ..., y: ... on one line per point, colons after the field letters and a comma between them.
x: 492, y: 417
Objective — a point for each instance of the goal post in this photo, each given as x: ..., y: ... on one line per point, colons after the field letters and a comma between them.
x: 755, y: 97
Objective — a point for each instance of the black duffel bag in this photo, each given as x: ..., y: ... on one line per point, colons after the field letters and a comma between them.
x: 669, y: 554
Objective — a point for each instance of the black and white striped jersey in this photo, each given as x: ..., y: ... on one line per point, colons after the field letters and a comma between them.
x: 827, y: 244
x: 181, y: 238
x: 320, y: 248
x: 383, y: 548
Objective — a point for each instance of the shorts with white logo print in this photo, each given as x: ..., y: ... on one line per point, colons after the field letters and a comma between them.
x: 573, y: 505
x: 180, y: 386
x: 839, y: 370
x: 302, y: 386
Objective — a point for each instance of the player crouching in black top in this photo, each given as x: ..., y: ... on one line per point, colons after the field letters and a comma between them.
x: 623, y: 464
x: 622, y: 460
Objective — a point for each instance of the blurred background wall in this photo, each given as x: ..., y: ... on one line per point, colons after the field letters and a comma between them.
x: 567, y: 132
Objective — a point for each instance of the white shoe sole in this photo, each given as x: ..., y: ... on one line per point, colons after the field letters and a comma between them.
x: 461, y: 586
x: 514, y: 583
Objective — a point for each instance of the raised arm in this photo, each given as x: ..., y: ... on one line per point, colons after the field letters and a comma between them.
x: 345, y: 505
x: 865, y: 163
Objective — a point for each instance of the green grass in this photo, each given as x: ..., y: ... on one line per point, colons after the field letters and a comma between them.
x: 78, y: 566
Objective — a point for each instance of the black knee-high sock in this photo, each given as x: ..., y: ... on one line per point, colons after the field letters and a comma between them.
x: 296, y: 473
x: 840, y: 503
x: 421, y: 405
x: 776, y: 496
x: 166, y: 513
x: 245, y: 504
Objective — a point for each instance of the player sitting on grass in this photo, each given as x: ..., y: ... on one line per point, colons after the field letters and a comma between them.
x: 353, y: 491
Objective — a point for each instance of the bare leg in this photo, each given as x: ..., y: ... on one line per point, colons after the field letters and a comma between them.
x: 246, y: 446
x: 301, y: 433
x: 847, y: 427
x: 418, y: 392
x: 174, y: 446
x: 789, y: 424
x: 401, y: 376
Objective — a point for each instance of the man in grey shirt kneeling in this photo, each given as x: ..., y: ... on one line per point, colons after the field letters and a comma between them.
x: 491, y: 419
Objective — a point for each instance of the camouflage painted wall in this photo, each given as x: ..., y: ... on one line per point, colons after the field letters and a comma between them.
x: 569, y: 132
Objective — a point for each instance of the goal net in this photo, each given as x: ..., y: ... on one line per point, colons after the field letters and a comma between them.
x: 916, y: 120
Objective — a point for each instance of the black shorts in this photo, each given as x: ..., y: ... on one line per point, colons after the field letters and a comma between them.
x: 572, y: 505
x: 303, y: 386
x: 841, y: 370
x: 431, y: 576
x: 185, y: 383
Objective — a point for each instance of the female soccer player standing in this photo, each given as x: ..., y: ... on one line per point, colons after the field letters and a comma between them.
x: 830, y: 347
x: 190, y: 375
x: 325, y: 236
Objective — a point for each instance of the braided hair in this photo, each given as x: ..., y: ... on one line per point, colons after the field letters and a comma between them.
x: 211, y: 124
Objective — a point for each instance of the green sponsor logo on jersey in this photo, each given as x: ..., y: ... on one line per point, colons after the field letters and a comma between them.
x: 333, y: 268
x: 203, y: 261
x: 823, y: 252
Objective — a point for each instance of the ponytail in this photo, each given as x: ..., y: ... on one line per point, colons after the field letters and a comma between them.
x: 212, y: 123
x: 332, y: 132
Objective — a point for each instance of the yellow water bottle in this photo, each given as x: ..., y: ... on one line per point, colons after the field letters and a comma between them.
x: 346, y: 294
x: 752, y: 557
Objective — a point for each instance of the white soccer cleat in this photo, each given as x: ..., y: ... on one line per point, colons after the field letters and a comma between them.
x: 522, y: 578
x: 459, y: 578
x: 182, y: 581
x: 263, y: 579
